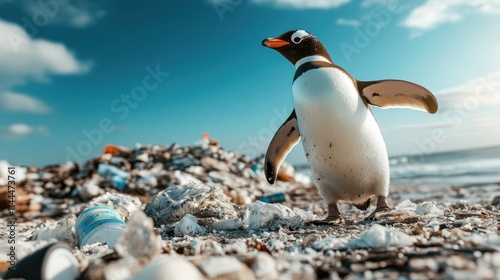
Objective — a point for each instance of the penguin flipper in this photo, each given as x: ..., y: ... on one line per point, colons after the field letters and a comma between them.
x: 398, y: 93
x: 284, y: 140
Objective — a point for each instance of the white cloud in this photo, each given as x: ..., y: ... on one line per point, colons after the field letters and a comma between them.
x: 348, y: 22
x: 370, y: 3
x: 81, y: 14
x: 77, y: 14
x: 468, y: 117
x: 22, y: 57
x: 20, y: 130
x: 436, y: 12
x: 483, y: 91
x: 18, y: 102
x: 417, y: 126
x: 304, y: 4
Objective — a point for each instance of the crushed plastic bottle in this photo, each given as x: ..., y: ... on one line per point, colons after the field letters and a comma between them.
x: 274, y: 198
x: 114, y: 174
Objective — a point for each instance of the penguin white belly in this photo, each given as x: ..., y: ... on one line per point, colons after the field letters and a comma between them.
x: 342, y: 140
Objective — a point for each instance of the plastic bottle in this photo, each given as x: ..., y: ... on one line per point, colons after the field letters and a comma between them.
x: 274, y: 198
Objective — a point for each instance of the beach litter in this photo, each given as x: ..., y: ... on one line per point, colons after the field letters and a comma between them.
x: 99, y: 224
x: 193, y: 212
x: 55, y: 261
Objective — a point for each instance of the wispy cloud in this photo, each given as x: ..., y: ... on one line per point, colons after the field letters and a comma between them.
x: 468, y: 117
x: 433, y: 13
x: 81, y: 14
x: 371, y: 3
x: 479, y: 92
x: 417, y: 126
x: 21, y: 103
x: 22, y: 57
x: 77, y: 14
x: 20, y: 130
x: 303, y: 4
x: 488, y: 122
x: 348, y: 22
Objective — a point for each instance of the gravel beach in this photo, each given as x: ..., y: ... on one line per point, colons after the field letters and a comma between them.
x: 205, y: 221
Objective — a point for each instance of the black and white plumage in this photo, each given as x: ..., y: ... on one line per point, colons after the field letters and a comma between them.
x: 342, y: 140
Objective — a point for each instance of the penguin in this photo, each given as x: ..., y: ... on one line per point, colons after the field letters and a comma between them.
x: 343, y: 143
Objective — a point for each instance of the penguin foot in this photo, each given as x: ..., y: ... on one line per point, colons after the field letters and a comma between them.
x: 333, y: 217
x: 382, y: 206
x: 329, y: 221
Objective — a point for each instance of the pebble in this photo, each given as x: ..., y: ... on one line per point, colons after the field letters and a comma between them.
x: 226, y: 268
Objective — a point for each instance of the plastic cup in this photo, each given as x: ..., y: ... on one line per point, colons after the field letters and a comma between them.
x: 99, y: 224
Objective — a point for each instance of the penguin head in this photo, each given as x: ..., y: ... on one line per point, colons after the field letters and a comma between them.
x: 296, y: 44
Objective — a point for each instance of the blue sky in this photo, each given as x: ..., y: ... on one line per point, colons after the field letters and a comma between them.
x: 76, y: 75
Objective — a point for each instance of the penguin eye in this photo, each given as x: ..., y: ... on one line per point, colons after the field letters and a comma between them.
x: 299, y: 35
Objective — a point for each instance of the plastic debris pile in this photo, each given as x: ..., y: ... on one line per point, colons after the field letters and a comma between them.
x: 144, y: 172
x: 200, y: 212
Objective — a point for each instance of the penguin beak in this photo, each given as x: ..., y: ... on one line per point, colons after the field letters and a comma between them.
x: 274, y: 43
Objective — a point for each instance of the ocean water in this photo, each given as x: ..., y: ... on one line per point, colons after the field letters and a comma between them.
x: 458, y: 168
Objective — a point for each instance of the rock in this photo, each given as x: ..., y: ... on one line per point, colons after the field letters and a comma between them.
x: 144, y: 157
x: 229, y: 224
x: 183, y: 179
x: 406, y: 205
x: 228, y: 179
x: 303, y: 179
x: 425, y: 209
x: 90, y: 190
x: 188, y: 226
x: 310, y: 239
x: 226, y: 268
x: 429, y: 209
x: 199, y: 200
x: 181, y: 161
x: 238, y: 247
x: 146, y: 178
x: 496, y: 201
x: 379, y: 236
x: 165, y: 267
x: 211, y: 164
x: 329, y: 243
x: 286, y: 172
x: 63, y: 231
x: 138, y: 238
x: 262, y: 215
x: 263, y: 266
